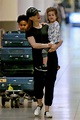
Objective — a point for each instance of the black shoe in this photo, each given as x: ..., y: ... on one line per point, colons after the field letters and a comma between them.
x: 41, y: 68
x: 44, y: 67
x: 58, y: 67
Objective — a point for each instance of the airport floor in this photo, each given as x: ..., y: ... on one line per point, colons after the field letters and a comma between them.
x: 66, y: 102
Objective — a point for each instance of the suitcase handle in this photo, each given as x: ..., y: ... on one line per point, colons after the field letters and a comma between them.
x: 16, y: 43
x: 13, y: 43
x: 15, y: 31
x: 16, y: 58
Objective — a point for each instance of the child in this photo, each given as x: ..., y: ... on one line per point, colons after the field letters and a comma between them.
x: 53, y: 30
x: 22, y: 23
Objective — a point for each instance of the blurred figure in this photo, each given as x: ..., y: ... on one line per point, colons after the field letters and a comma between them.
x: 61, y: 12
x: 2, y: 31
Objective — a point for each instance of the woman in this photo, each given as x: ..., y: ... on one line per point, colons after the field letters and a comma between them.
x: 37, y: 36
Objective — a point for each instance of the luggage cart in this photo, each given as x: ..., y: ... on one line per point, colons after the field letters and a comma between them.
x: 12, y: 88
x: 17, y: 67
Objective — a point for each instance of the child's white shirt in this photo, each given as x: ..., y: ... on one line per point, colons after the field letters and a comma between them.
x: 54, y: 32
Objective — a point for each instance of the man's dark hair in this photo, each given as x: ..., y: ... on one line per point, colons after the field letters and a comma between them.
x: 21, y: 17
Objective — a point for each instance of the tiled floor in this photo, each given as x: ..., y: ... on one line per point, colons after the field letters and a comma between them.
x: 66, y: 103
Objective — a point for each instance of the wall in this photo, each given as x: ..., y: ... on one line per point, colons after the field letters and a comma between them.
x: 10, y: 9
x: 8, y: 14
x: 23, y: 5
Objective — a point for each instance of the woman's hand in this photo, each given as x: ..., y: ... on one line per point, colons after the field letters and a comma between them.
x: 53, y: 48
x: 50, y: 44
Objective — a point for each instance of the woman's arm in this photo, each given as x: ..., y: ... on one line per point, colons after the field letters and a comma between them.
x: 37, y: 45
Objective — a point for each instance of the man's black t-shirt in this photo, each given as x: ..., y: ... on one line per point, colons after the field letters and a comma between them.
x: 41, y: 36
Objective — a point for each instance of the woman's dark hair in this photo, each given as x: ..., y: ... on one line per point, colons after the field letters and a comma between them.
x: 30, y: 24
x: 21, y: 18
x: 55, y: 11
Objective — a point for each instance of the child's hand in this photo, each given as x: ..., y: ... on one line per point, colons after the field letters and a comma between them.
x: 51, y: 50
x: 43, y: 23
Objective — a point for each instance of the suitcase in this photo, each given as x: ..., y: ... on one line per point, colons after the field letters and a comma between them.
x: 16, y: 69
x: 3, y: 84
x: 18, y: 83
x: 15, y: 39
x: 12, y: 88
x: 16, y: 54
x: 16, y: 62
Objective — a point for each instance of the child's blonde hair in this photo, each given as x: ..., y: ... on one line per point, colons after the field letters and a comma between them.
x: 55, y: 11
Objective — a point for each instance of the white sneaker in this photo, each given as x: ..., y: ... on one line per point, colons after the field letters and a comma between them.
x: 29, y: 99
x: 48, y: 115
x: 38, y: 110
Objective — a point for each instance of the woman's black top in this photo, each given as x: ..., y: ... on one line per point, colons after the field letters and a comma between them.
x: 41, y: 36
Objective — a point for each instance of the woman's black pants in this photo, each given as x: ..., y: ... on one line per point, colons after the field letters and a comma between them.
x: 48, y: 80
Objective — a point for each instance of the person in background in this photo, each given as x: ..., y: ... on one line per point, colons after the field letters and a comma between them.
x: 23, y: 25
x: 37, y: 36
x: 61, y: 12
x: 2, y: 31
x: 22, y: 22
x: 54, y: 34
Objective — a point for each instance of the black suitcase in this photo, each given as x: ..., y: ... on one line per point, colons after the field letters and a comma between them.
x: 16, y: 62
x: 12, y: 88
x: 18, y: 83
x: 16, y: 54
x: 17, y: 69
x: 15, y: 39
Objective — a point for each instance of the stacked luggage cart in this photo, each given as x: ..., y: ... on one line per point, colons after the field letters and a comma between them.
x: 16, y: 68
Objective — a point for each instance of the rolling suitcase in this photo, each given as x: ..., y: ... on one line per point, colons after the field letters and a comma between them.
x: 16, y: 61
x: 17, y: 69
x: 15, y: 39
x: 16, y: 54
x: 18, y: 83
x: 12, y: 88
x: 22, y: 83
